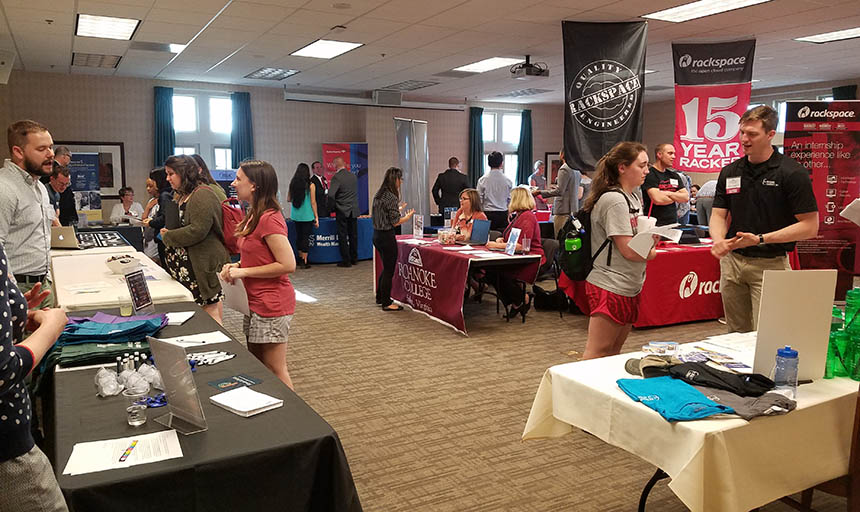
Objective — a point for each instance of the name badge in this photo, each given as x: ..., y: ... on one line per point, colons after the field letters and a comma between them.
x: 673, y: 182
x: 733, y: 185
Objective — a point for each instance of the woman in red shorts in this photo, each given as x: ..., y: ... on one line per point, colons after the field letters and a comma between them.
x: 614, y: 283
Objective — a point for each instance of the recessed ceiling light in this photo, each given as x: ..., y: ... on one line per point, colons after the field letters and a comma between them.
x: 410, y: 85
x: 177, y: 48
x: 488, y: 64
x: 272, y: 73
x: 700, y: 9
x: 94, y: 60
x: 106, y: 27
x: 326, y: 49
x: 828, y: 37
x: 649, y: 71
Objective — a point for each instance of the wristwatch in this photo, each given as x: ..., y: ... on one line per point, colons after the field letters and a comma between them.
x: 761, y: 239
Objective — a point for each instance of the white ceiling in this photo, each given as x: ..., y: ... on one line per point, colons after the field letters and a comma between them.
x: 413, y: 40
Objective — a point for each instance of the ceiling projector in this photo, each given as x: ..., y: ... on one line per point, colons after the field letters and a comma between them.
x: 526, y: 70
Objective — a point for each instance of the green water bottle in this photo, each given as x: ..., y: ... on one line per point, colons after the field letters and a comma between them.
x: 572, y: 244
x: 836, y: 321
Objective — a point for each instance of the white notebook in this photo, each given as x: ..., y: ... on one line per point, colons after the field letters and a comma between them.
x: 244, y: 401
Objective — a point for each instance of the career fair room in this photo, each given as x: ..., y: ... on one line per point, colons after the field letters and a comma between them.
x: 513, y: 255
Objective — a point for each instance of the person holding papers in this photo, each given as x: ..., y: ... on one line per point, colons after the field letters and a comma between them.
x: 470, y: 209
x: 523, y: 218
x: 386, y: 216
x: 613, y: 285
x: 27, y: 481
x: 266, y: 259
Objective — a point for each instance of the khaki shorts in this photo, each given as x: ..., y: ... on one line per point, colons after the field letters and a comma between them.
x: 261, y: 329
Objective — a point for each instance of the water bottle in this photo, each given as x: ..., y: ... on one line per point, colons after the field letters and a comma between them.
x: 836, y: 321
x: 785, y: 372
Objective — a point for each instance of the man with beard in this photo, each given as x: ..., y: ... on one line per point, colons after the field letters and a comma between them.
x: 25, y: 210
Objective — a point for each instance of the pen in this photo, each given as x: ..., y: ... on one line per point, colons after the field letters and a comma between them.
x: 127, y: 451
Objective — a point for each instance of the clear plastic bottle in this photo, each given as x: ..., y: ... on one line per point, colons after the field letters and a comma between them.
x: 785, y: 372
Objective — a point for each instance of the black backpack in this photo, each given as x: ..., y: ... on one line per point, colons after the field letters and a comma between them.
x: 574, y: 244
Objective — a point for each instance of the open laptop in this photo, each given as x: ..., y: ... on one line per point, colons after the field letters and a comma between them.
x: 796, y: 308
x: 480, y: 233
x: 64, y: 237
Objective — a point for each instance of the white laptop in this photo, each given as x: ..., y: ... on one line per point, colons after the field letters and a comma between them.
x: 796, y: 306
x: 64, y: 237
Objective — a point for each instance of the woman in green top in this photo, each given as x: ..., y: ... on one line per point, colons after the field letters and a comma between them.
x: 302, y: 196
x: 195, y: 251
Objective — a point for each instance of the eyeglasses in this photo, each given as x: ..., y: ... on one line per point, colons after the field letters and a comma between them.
x: 464, y: 199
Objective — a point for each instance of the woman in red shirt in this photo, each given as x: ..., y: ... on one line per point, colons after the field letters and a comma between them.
x: 523, y: 218
x: 266, y: 259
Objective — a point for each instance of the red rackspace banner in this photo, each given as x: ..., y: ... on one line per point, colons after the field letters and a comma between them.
x: 707, y: 133
x: 825, y: 138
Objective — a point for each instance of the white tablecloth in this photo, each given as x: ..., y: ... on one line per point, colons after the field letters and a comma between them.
x: 72, y: 272
x: 720, y: 464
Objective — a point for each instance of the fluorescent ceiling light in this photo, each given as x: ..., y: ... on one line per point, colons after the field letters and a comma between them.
x: 828, y: 37
x: 326, y: 49
x: 177, y: 48
x: 272, y: 73
x: 488, y: 65
x: 700, y: 9
x: 93, y: 60
x: 106, y: 27
x: 649, y: 71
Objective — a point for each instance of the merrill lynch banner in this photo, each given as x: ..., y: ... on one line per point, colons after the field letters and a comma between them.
x: 712, y: 91
x: 604, y: 78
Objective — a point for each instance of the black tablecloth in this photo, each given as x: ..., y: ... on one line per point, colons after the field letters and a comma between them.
x: 285, y: 459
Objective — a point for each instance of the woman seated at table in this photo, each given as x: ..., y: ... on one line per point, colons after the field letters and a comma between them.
x: 27, y: 481
x: 127, y: 210
x: 195, y: 252
x: 470, y: 209
x: 613, y: 289
x: 509, y: 289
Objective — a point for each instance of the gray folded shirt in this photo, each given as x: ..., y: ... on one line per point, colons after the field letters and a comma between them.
x: 768, y: 404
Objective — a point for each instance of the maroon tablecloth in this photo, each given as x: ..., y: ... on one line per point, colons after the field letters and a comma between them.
x: 682, y: 284
x: 433, y: 280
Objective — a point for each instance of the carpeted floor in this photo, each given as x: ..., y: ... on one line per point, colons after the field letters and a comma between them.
x: 431, y: 420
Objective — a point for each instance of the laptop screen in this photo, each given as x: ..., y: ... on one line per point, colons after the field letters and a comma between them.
x: 480, y: 231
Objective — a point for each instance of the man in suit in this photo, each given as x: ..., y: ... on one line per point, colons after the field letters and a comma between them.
x: 449, y: 184
x: 321, y: 185
x: 568, y: 190
x: 343, y: 199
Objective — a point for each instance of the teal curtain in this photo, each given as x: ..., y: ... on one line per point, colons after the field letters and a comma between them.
x: 242, y: 136
x: 165, y: 137
x: 524, y: 150
x: 476, y: 145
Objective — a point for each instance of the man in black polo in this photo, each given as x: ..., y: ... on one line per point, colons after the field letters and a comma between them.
x: 770, y: 199
x: 663, y: 187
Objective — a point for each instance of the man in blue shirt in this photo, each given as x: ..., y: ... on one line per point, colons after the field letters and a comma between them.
x: 495, y: 191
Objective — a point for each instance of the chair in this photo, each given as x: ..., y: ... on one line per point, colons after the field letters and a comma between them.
x: 847, y: 486
x: 550, y: 268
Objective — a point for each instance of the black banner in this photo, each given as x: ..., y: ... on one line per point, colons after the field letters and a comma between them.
x: 604, y: 79
x: 713, y: 63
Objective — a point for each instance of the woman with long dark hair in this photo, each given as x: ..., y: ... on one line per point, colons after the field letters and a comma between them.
x: 266, y: 260
x: 386, y: 216
x: 196, y: 250
x: 166, y: 214
x: 613, y: 285
x: 302, y: 196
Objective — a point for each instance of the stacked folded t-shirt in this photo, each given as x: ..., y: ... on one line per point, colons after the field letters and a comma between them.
x: 686, y: 391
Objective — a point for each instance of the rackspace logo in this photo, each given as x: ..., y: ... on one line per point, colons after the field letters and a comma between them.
x: 690, y: 285
x: 711, y: 62
x: 415, y: 257
x: 603, y: 96
x: 805, y: 112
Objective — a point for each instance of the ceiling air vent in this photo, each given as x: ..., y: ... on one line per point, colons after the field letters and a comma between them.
x: 524, y: 92
x: 387, y: 98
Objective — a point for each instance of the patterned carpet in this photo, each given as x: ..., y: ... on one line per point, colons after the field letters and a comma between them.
x: 431, y: 420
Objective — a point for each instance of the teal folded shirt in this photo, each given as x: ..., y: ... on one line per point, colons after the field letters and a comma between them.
x: 674, y: 399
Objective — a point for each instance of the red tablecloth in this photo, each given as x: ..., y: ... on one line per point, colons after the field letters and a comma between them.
x: 543, y: 215
x: 682, y: 284
x: 433, y: 280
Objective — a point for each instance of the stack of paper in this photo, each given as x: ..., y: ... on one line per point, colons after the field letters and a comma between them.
x: 123, y: 452
x: 195, y: 340
x: 245, y: 401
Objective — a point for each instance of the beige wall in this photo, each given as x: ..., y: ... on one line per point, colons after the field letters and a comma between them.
x: 111, y: 109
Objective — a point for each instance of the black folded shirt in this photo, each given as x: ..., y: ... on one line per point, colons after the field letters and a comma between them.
x: 700, y: 374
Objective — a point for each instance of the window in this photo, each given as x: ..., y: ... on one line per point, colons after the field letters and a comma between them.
x: 780, y: 109
x: 503, y: 136
x: 202, y: 123
x: 488, y: 127
x: 220, y: 115
x: 825, y: 97
x: 223, y: 158
x: 184, y: 150
x: 184, y: 113
x: 511, y: 124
